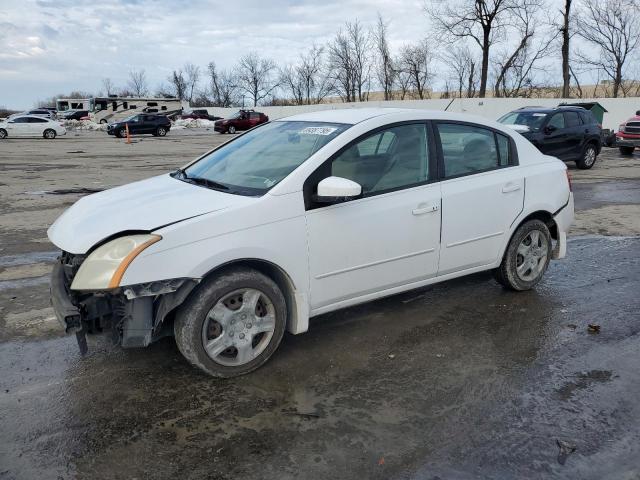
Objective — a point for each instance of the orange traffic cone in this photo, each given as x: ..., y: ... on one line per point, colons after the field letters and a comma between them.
x: 126, y: 126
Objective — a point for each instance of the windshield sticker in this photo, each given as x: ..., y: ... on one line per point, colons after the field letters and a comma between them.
x: 539, y: 114
x: 317, y: 131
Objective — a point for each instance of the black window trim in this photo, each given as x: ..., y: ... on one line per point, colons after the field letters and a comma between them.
x: 513, y: 151
x: 310, y: 185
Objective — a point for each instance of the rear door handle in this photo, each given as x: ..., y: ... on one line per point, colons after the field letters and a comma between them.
x: 422, y: 209
x: 510, y: 187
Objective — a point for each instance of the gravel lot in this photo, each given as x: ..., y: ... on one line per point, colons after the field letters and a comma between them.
x: 459, y: 380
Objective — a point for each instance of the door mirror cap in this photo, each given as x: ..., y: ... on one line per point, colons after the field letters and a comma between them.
x: 550, y: 129
x: 337, y: 189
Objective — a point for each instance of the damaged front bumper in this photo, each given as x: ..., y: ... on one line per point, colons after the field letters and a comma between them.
x: 135, y: 315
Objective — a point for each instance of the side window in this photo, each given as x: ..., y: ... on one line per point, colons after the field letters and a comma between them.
x: 152, y: 104
x: 125, y: 105
x: 586, y: 118
x: 556, y: 121
x: 114, y: 106
x: 503, y: 149
x: 393, y: 158
x: 132, y: 107
x: 164, y: 107
x: 467, y: 149
x: 572, y: 119
x: 21, y: 120
x: 38, y: 120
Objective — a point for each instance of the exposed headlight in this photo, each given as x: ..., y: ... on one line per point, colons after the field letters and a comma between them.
x: 104, y: 267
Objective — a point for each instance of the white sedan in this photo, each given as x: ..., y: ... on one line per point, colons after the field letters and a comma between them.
x: 31, y: 126
x: 302, y: 216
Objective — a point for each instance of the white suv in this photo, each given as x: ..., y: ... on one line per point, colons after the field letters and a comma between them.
x: 302, y: 216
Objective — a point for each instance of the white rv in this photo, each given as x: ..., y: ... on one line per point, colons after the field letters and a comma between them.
x: 113, y: 109
x: 64, y: 104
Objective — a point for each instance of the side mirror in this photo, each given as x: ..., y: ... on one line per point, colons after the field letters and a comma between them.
x: 550, y: 129
x: 337, y: 189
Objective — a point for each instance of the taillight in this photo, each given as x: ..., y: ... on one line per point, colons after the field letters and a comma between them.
x: 569, y: 181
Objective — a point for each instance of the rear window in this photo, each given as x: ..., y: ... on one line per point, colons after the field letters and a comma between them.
x: 587, y: 118
x: 533, y: 120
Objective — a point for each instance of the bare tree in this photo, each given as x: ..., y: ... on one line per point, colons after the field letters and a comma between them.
x: 566, y: 39
x: 192, y: 77
x: 416, y: 62
x: 463, y: 68
x: 480, y: 20
x: 307, y: 81
x: 178, y: 84
x: 403, y: 78
x: 612, y: 27
x: 223, y: 85
x: 350, y: 63
x: 256, y: 77
x: 108, y: 86
x: 138, y: 83
x: 515, y: 69
x: 385, y: 70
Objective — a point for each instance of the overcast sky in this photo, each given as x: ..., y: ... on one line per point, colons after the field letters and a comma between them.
x: 53, y: 46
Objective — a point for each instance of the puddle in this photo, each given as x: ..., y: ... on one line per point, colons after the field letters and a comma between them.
x: 28, y: 258
x: 67, y: 191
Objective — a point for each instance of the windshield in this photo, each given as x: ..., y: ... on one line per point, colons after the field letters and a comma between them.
x: 130, y: 118
x: 256, y: 161
x: 533, y: 120
x: 235, y: 115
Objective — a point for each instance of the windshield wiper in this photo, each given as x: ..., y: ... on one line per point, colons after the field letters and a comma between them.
x: 205, y: 182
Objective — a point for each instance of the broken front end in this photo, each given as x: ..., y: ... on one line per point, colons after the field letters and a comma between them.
x: 134, y: 315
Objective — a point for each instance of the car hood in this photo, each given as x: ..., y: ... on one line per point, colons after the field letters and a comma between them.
x: 140, y: 206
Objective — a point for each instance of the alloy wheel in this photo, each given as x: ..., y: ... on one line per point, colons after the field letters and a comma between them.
x: 532, y: 255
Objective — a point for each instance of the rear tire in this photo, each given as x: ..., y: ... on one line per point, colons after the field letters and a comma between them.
x: 626, y: 150
x: 161, y: 131
x: 232, y: 129
x: 103, y: 121
x: 49, y: 134
x: 527, y: 257
x: 3, y: 133
x: 588, y: 158
x: 240, y: 334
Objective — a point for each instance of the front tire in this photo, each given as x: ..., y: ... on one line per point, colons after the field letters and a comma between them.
x: 588, y: 158
x: 49, y: 134
x: 232, y: 323
x: 232, y: 129
x: 121, y: 133
x: 526, y: 258
x: 103, y: 121
x: 3, y: 133
x: 627, y: 150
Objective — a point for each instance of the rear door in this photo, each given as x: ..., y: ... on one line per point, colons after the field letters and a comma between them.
x: 575, y: 134
x: 37, y: 126
x: 482, y: 194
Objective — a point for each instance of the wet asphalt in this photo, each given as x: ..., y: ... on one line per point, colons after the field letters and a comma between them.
x: 456, y: 381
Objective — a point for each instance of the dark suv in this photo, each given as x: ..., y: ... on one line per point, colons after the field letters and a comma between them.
x: 242, y: 120
x: 568, y: 133
x: 201, y: 114
x: 157, y: 125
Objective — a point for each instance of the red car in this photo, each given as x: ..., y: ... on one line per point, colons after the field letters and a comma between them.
x: 628, y: 135
x: 201, y: 114
x: 243, y: 120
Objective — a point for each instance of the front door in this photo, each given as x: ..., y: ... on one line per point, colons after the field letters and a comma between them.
x: 482, y: 194
x: 19, y: 127
x: 389, y: 237
x: 554, y: 141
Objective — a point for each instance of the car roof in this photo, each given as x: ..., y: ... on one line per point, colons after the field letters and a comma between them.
x: 32, y: 116
x: 551, y: 109
x: 349, y: 116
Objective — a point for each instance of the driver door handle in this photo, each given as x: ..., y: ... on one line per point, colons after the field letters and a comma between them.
x: 422, y: 209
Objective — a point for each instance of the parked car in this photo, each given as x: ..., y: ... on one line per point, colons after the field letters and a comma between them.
x: 202, y: 114
x: 628, y: 135
x: 242, y: 120
x: 157, y: 125
x: 568, y: 133
x: 338, y: 208
x: 31, y: 126
x: 75, y: 114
